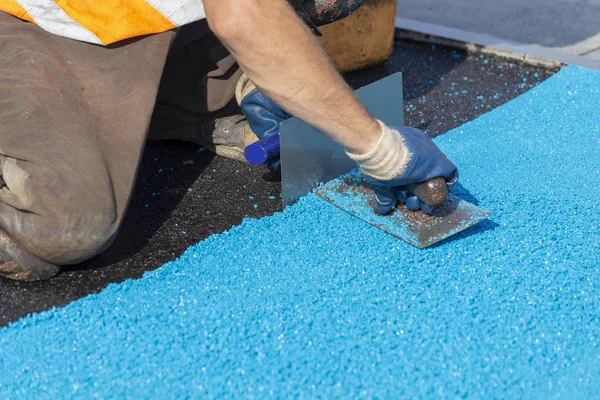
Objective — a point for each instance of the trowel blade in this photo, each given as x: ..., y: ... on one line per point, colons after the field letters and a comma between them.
x: 308, y: 157
x: 352, y: 194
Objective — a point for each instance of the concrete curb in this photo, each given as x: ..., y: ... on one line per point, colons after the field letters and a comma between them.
x: 533, y: 54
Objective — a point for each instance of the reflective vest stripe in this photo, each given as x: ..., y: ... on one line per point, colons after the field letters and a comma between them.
x: 180, y: 12
x: 14, y: 8
x: 50, y: 17
x: 116, y: 20
x: 105, y: 21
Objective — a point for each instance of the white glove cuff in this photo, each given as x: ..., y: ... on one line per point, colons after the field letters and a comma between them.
x: 387, y: 159
x: 243, y: 88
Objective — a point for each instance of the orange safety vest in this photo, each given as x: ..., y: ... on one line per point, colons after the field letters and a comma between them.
x: 105, y: 21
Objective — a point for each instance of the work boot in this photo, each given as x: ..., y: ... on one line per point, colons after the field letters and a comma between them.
x: 224, y: 135
x: 230, y: 137
x: 18, y: 264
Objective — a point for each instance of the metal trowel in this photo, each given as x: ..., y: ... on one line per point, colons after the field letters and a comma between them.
x: 310, y: 162
x: 350, y: 193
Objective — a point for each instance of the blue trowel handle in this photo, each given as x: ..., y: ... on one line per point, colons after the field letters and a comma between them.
x: 259, y: 152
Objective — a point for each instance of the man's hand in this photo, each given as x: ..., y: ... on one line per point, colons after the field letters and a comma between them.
x: 403, y: 158
x: 263, y: 115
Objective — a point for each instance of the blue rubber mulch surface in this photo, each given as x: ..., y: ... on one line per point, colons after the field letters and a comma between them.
x: 315, y: 303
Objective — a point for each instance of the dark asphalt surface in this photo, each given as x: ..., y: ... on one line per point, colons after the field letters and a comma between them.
x: 183, y: 195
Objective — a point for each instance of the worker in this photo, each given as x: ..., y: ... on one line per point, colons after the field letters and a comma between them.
x: 79, y: 90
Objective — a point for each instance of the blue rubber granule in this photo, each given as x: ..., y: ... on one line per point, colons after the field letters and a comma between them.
x: 313, y: 302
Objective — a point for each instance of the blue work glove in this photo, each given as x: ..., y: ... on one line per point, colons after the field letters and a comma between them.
x: 403, y: 158
x: 263, y: 115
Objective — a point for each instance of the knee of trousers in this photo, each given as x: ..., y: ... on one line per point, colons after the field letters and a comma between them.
x: 64, y: 239
x: 70, y: 239
x: 62, y: 219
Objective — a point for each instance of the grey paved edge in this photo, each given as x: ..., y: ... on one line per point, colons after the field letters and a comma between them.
x: 490, y: 42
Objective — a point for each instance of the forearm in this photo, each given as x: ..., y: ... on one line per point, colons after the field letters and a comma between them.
x: 280, y: 55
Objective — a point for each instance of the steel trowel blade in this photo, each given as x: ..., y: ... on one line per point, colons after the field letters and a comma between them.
x: 308, y: 157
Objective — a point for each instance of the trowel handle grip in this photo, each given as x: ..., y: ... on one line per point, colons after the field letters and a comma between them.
x: 259, y: 152
x: 434, y: 192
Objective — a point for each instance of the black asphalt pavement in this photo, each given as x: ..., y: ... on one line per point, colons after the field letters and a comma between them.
x: 183, y: 195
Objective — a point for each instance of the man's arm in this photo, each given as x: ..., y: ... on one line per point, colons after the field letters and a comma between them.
x: 280, y: 55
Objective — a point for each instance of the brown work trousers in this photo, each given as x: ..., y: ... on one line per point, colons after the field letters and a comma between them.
x: 74, y: 118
